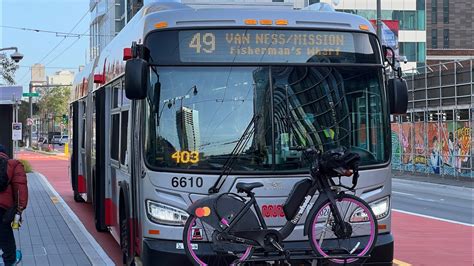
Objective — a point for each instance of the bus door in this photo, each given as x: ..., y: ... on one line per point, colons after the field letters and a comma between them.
x: 99, y: 161
x: 74, y: 147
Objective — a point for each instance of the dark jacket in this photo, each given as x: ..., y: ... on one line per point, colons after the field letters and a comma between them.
x: 17, y: 190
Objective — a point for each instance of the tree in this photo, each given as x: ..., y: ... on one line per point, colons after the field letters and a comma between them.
x: 7, y: 70
x: 53, y: 102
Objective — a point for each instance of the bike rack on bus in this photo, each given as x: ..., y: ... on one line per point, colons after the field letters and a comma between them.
x: 300, y: 255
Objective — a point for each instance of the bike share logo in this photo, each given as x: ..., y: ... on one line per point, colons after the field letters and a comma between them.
x: 303, y: 206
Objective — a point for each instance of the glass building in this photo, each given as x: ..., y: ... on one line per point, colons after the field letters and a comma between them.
x: 411, y: 15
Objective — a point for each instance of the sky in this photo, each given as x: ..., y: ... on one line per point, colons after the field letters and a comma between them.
x: 50, y: 15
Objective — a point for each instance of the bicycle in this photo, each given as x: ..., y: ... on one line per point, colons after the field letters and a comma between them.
x: 342, y: 227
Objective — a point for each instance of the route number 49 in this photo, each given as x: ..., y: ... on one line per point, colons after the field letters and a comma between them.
x: 205, y: 42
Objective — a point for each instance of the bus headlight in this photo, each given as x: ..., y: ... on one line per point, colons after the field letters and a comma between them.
x: 165, y: 214
x: 380, y: 208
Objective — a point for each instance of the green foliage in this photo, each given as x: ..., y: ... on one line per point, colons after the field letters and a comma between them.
x: 26, y: 165
x: 54, y: 101
x: 7, y: 70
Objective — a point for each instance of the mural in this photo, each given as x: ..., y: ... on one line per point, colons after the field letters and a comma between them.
x: 433, y: 148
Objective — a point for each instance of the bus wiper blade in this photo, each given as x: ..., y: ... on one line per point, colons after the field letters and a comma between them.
x: 239, y: 147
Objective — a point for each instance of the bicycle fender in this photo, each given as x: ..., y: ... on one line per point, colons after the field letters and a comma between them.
x: 307, y: 224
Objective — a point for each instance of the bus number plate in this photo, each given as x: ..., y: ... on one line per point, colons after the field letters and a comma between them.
x: 187, y: 181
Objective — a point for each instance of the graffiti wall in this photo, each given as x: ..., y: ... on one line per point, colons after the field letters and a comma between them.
x: 433, y: 148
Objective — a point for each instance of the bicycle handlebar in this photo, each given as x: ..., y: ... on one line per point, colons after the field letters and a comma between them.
x: 335, y: 162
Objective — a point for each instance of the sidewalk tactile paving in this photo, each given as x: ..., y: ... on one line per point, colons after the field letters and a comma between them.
x: 44, y: 237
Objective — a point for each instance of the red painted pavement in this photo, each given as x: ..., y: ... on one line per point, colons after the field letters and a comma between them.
x: 425, y: 241
x: 418, y: 240
x: 55, y: 169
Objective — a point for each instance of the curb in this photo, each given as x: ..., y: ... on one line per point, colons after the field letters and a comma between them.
x: 44, y: 152
x: 89, y: 245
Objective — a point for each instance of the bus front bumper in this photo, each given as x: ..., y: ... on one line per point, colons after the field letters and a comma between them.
x: 168, y: 252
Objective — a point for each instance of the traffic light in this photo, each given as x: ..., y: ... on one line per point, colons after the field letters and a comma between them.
x: 65, y: 119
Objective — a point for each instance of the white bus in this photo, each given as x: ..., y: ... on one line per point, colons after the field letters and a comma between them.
x: 166, y: 115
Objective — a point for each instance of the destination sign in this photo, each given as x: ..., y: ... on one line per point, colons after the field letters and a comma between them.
x: 261, y: 46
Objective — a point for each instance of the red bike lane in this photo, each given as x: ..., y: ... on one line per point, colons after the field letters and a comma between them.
x: 429, y: 241
x: 55, y: 169
x: 418, y: 240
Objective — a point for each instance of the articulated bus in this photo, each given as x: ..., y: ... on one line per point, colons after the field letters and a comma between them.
x: 185, y: 102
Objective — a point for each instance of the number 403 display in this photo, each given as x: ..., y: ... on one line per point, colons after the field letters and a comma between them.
x: 186, y: 156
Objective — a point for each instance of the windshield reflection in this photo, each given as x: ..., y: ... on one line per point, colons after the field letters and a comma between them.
x: 206, y: 111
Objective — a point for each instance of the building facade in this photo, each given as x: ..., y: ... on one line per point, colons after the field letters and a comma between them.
x: 436, y: 135
x: 63, y: 77
x: 410, y: 15
x: 108, y: 17
x: 450, y: 28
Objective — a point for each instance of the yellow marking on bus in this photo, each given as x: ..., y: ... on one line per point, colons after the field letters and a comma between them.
x: 364, y: 27
x: 250, y: 22
x: 281, y: 22
x: 161, y: 24
x: 54, y: 200
x: 400, y: 263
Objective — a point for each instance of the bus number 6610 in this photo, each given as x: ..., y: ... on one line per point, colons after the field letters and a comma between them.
x: 186, y: 181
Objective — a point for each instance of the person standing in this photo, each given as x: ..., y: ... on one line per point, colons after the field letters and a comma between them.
x: 13, y: 200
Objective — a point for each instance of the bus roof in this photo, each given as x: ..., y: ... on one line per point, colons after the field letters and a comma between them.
x: 110, y: 64
x: 178, y: 16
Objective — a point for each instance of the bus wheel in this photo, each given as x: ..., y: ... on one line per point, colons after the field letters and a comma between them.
x: 77, y: 197
x: 127, y: 257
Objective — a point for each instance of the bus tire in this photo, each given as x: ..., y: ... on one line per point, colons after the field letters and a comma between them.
x: 127, y: 257
x: 98, y: 216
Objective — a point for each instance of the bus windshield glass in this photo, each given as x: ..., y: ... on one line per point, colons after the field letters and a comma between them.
x: 202, y: 112
x: 260, y: 46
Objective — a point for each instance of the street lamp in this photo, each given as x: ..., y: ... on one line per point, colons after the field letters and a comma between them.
x: 16, y: 56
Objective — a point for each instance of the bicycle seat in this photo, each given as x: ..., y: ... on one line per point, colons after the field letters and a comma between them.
x: 247, y: 187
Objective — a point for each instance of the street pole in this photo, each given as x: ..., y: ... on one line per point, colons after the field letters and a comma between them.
x: 31, y: 105
x: 379, y: 20
x: 31, y: 117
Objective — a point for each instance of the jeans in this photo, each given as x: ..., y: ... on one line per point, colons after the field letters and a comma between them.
x: 7, y: 241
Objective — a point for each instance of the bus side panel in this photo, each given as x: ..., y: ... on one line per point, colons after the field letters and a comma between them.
x: 99, y: 179
x: 75, y: 144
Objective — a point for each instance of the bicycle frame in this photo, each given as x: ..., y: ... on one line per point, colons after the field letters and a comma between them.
x: 322, y: 184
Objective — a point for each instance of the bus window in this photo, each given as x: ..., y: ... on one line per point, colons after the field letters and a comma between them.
x: 114, y: 145
x: 123, y: 137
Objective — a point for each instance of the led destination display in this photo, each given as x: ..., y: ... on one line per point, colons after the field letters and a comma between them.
x: 264, y: 46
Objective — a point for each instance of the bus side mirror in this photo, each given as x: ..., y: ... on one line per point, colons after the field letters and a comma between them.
x: 136, y: 79
x: 388, y: 55
x: 398, y: 96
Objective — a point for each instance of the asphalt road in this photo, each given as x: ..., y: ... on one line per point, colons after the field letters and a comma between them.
x: 441, y: 201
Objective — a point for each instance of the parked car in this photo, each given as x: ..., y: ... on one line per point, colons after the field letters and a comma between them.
x: 56, y: 139
x: 64, y: 140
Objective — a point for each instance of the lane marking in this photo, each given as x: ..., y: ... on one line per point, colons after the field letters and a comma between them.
x: 434, y: 218
x: 54, y: 200
x: 402, y: 193
x: 400, y: 263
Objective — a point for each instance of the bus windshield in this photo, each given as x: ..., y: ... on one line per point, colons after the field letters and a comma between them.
x: 202, y: 112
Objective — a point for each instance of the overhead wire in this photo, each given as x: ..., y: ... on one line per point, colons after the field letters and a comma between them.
x: 58, y: 33
x: 57, y: 45
x: 63, y: 51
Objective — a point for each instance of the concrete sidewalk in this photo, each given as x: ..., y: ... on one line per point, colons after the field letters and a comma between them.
x: 51, y: 234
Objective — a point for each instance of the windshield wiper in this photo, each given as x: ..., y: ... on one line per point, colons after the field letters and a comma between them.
x: 239, y: 147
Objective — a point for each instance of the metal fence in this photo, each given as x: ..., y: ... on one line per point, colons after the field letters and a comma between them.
x: 436, y: 135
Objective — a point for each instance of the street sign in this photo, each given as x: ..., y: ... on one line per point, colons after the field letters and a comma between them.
x: 31, y: 94
x: 16, y: 131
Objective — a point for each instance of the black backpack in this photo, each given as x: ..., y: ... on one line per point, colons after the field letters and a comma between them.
x: 4, y: 180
